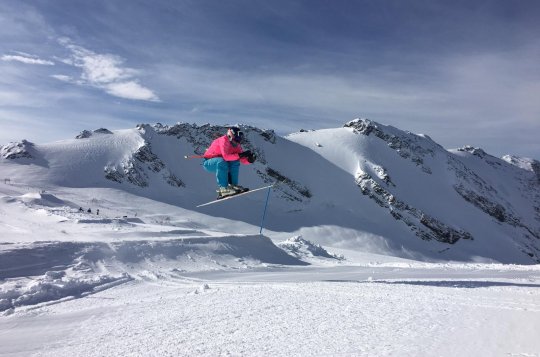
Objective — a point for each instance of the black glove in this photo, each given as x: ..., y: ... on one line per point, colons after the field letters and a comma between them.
x: 245, y: 153
x: 251, y: 158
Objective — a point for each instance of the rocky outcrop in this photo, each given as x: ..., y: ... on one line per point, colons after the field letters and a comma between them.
x: 291, y: 190
x: 136, y: 169
x: 103, y: 131
x: 475, y: 151
x: 407, y: 145
x: 85, y: 134
x: 422, y: 224
x: 17, y: 150
x: 495, y: 210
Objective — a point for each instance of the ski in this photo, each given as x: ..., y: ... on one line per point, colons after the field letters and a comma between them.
x: 236, y: 195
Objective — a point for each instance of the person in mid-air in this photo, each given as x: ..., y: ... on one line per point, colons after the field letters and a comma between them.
x: 223, y: 157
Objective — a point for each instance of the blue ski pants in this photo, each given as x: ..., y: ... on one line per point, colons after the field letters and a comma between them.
x: 223, y: 170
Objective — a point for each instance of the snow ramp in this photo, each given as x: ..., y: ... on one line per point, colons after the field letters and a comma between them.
x: 42, y: 272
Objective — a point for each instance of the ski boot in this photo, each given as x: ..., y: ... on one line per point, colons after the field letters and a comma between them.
x: 225, y: 192
x: 238, y: 188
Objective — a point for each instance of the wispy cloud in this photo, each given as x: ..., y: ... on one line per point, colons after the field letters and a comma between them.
x: 27, y: 59
x: 130, y: 90
x: 106, y: 72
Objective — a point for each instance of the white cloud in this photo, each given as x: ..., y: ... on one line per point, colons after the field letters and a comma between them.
x: 316, y: 93
x: 105, y: 71
x: 28, y: 59
x: 131, y: 90
x: 63, y: 78
x: 103, y: 68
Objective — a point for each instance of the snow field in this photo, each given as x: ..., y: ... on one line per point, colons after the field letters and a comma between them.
x: 219, y: 318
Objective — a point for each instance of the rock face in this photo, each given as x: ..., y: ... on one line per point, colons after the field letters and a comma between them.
x: 135, y: 169
x: 85, y: 134
x: 478, y: 187
x: 415, y: 149
x: 424, y: 226
x: 408, y: 146
x: 17, y: 150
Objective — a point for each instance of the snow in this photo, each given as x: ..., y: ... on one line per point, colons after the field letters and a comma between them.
x: 333, y: 274
x: 284, y: 313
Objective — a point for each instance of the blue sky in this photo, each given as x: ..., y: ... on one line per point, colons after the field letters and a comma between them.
x: 463, y: 72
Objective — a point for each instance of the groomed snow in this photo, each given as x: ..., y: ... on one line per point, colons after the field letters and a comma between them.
x: 280, y: 312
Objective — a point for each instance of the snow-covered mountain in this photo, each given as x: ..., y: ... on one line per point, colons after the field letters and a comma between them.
x: 365, y: 186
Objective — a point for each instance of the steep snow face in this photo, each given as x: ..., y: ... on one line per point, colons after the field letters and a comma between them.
x: 464, y: 196
x: 364, y: 186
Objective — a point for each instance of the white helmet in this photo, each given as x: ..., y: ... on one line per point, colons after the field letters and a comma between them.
x: 235, y: 134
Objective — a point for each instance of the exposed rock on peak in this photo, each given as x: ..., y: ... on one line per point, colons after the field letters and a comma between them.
x: 85, y: 134
x: 136, y: 169
x: 102, y: 131
x: 17, y: 150
x: 475, y: 151
x: 407, y: 145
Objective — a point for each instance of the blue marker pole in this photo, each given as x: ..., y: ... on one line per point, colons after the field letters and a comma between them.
x: 265, y: 206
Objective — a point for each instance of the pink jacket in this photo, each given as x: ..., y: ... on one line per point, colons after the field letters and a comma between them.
x: 222, y: 147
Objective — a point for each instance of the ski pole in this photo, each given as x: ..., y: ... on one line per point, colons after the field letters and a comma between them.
x: 265, y: 207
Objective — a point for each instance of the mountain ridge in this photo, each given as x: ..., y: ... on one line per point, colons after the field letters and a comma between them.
x: 377, y: 180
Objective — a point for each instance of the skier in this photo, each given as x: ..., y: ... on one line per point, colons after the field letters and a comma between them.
x: 223, y: 157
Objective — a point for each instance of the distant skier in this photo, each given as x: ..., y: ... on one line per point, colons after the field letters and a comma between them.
x: 223, y: 158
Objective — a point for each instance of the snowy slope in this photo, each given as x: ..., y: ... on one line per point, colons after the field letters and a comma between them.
x: 465, y: 198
